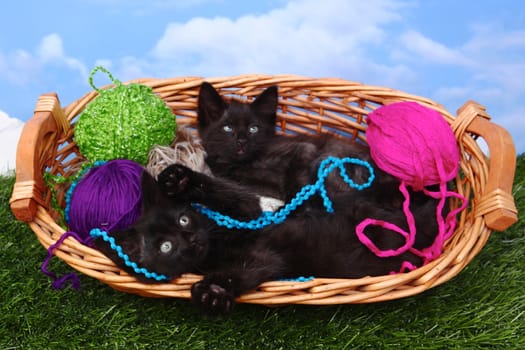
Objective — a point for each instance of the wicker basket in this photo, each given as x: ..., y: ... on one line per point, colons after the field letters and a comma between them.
x: 305, y: 105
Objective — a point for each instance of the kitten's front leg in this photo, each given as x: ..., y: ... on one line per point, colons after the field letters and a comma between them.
x: 178, y: 181
x: 175, y: 180
x: 216, y: 293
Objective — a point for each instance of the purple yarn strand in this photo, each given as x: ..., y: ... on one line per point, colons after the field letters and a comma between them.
x: 59, y: 282
x: 109, y: 197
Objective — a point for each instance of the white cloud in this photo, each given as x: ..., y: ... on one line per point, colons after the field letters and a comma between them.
x: 506, y: 74
x: 18, y: 67
x: 129, y: 67
x: 488, y: 67
x: 492, y: 56
x: 50, y: 48
x: 132, y: 68
x: 432, y: 51
x: 51, y: 51
x: 106, y: 63
x: 492, y: 37
x: 304, y: 37
x: 21, y: 66
x: 10, y: 129
x: 500, y: 54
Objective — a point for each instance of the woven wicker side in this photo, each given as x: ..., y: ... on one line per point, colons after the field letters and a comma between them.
x: 305, y: 106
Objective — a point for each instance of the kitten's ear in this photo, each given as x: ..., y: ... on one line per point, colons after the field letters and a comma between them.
x: 151, y: 194
x: 211, y: 106
x: 266, y: 103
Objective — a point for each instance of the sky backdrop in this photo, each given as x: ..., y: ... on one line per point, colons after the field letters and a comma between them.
x: 448, y: 50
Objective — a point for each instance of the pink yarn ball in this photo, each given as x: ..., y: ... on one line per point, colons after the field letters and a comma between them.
x: 416, y: 145
x: 413, y: 143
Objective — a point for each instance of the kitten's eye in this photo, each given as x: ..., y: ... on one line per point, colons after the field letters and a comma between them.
x: 253, y: 129
x: 166, y: 247
x: 227, y: 128
x: 184, y: 220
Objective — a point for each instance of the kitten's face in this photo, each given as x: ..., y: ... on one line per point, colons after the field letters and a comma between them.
x: 236, y: 132
x: 168, y: 238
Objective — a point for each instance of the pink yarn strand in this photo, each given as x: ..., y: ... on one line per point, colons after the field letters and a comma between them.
x: 446, y: 225
x: 406, y: 266
x: 417, y: 146
x: 410, y: 236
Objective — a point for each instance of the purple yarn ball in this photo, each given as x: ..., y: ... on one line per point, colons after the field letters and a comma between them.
x: 108, y: 197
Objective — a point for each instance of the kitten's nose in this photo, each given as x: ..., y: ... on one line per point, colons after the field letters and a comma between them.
x: 242, y: 142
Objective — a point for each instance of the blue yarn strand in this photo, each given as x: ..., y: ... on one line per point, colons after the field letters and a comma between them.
x: 267, y: 218
x: 298, y: 279
x: 139, y: 270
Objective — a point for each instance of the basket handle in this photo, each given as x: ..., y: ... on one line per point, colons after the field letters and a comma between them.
x: 38, y: 134
x: 496, y: 203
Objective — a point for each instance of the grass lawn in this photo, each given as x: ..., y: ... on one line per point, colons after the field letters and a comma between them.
x: 483, y: 307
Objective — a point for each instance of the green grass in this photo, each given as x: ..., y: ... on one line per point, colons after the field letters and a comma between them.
x: 483, y: 307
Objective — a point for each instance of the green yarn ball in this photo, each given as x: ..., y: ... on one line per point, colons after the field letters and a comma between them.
x: 123, y: 122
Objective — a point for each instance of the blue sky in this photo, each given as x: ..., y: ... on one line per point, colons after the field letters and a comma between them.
x: 448, y: 50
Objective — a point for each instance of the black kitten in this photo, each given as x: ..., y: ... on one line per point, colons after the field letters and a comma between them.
x: 242, y: 145
x: 173, y: 238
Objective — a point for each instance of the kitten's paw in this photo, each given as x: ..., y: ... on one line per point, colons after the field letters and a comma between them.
x: 212, y: 298
x: 174, y: 179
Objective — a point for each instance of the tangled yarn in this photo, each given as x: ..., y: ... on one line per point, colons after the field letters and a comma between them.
x: 416, y: 145
x: 106, y: 196
x: 186, y: 150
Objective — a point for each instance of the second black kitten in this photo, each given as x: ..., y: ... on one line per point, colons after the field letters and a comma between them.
x: 172, y: 237
x: 242, y: 145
